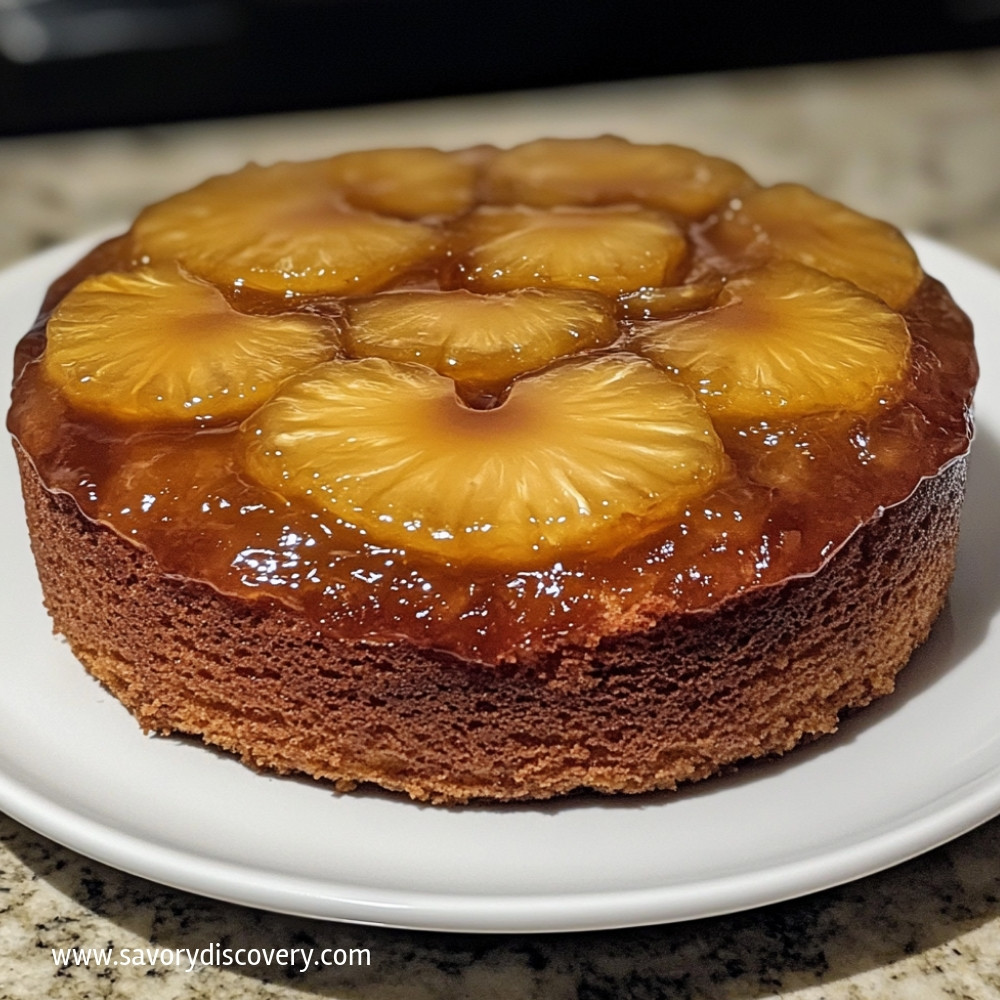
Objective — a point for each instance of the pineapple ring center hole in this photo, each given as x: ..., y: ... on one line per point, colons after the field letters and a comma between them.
x: 474, y: 412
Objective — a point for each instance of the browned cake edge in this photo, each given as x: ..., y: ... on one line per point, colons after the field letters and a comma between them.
x: 638, y: 712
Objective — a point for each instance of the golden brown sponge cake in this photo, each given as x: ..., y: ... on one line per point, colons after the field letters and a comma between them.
x: 496, y: 474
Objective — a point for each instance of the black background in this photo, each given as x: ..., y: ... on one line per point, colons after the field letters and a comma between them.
x: 231, y: 57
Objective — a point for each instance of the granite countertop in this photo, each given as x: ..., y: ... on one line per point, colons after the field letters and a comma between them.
x: 914, y: 140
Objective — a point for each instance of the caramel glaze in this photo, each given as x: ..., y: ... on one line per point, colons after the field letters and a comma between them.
x: 800, y: 488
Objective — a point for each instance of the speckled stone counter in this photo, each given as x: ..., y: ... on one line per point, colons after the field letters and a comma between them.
x: 916, y: 141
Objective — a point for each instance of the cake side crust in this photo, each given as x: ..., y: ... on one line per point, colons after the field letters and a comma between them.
x: 642, y: 711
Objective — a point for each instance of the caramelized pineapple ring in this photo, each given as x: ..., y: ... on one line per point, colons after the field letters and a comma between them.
x: 608, y: 250
x: 160, y: 347
x: 479, y: 340
x: 665, y: 303
x: 286, y: 229
x: 792, y: 222
x: 785, y: 339
x: 586, y: 456
x: 409, y: 183
x: 610, y: 171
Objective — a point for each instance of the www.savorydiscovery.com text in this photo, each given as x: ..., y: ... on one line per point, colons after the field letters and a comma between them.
x: 215, y: 954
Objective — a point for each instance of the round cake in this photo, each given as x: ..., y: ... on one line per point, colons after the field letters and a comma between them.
x: 496, y: 474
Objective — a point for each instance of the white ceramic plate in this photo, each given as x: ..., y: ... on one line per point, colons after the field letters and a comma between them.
x: 905, y: 775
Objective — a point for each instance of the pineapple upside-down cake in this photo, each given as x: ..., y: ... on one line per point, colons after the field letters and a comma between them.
x: 496, y: 474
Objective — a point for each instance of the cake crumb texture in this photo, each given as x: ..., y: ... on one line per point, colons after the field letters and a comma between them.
x: 640, y: 711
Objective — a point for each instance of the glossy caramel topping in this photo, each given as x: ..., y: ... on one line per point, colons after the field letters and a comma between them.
x: 660, y: 424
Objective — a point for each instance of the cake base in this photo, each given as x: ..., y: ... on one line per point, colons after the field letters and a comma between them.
x: 675, y: 702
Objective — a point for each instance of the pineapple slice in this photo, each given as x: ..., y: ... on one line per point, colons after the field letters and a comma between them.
x: 792, y: 222
x: 609, y: 171
x: 161, y: 347
x: 409, y: 183
x: 665, y: 303
x: 785, y: 340
x: 285, y: 230
x: 608, y: 250
x: 585, y: 456
x: 481, y: 341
